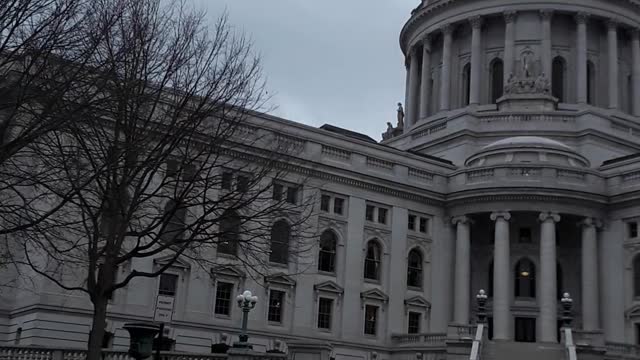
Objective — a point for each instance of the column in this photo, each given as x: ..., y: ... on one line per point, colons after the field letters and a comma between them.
x: 548, y: 297
x: 501, y: 277
x: 545, y: 16
x: 581, y: 58
x: 509, y: 43
x: 462, y: 292
x: 425, y: 91
x: 476, y: 60
x: 590, y: 293
x: 442, y: 264
x: 635, y: 61
x: 445, y: 79
x: 612, y: 263
x: 414, y: 83
x: 612, y: 36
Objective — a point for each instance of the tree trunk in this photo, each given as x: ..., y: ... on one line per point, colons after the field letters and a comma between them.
x: 97, y: 328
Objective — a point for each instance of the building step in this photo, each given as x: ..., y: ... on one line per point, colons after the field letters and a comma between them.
x: 507, y: 350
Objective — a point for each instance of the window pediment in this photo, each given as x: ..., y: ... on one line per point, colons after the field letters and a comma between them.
x: 177, y: 263
x: 328, y: 286
x: 632, y: 312
x: 280, y: 279
x: 417, y: 301
x: 375, y: 295
x: 228, y: 271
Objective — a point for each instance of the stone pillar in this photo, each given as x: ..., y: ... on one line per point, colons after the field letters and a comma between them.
x: 425, y: 89
x: 476, y: 60
x: 509, y: 44
x: 462, y: 292
x: 414, y: 86
x: 501, y: 277
x: 635, y: 61
x: 545, y: 16
x: 548, y: 297
x: 445, y: 78
x: 581, y: 58
x: 612, y: 265
x: 590, y: 293
x: 612, y: 42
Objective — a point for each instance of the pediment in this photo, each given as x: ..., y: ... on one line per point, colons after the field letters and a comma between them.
x: 175, y: 263
x: 328, y: 286
x: 280, y: 279
x: 228, y: 271
x: 417, y: 301
x: 374, y: 294
x: 632, y: 312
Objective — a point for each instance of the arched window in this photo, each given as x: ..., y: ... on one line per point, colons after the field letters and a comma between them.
x: 558, y: 78
x: 525, y: 277
x: 327, y: 253
x: 466, y: 84
x: 497, y: 80
x: 414, y: 269
x: 280, y: 233
x: 591, y: 82
x: 372, y: 261
x: 229, y: 233
x: 636, y: 276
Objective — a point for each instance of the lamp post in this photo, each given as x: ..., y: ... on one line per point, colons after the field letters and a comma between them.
x: 481, y: 298
x: 246, y: 301
x: 567, y: 303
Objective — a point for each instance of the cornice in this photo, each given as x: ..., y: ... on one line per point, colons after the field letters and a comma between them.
x: 487, y: 195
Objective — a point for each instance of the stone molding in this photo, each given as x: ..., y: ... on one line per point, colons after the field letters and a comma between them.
x: 591, y: 222
x: 447, y: 29
x: 545, y: 216
x: 510, y: 16
x: 546, y: 14
x: 505, y: 215
x: 465, y: 220
x: 612, y: 24
x: 581, y: 17
x: 476, y: 21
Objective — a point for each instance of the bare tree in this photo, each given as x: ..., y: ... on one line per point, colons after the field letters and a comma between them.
x: 163, y: 159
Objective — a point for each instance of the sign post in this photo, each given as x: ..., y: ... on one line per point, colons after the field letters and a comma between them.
x: 162, y: 314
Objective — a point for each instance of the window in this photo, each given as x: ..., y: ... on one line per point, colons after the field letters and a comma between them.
x: 376, y: 214
x: 226, y: 180
x: 372, y: 261
x: 325, y: 202
x: 280, y: 233
x: 172, y: 168
x: 370, y: 319
x: 636, y: 276
x: 223, y: 298
x: 558, y: 78
x: 637, y: 326
x: 327, y: 253
x: 633, y: 229
x: 414, y: 322
x: 276, y: 300
x: 524, y: 235
x: 286, y: 192
x: 164, y: 344
x: 490, y: 280
x: 292, y: 195
x: 591, y: 77
x: 229, y: 233
x: 525, y: 329
x: 497, y: 80
x: 107, y: 340
x: 525, y: 279
x: 369, y: 212
x: 414, y: 269
x: 382, y: 215
x: 559, y: 282
x: 277, y: 191
x: 176, y: 217
x: 242, y: 183
x: 325, y: 312
x: 418, y: 223
x: 338, y: 206
x: 466, y: 84
x: 424, y: 227
x: 412, y: 222
x: 168, y: 284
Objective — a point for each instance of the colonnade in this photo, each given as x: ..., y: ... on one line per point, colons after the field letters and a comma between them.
x: 419, y: 87
x: 502, y: 292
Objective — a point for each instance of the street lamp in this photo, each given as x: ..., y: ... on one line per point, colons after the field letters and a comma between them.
x: 481, y: 298
x: 567, y: 304
x: 246, y: 301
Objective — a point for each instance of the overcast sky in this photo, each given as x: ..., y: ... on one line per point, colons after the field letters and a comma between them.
x: 327, y: 61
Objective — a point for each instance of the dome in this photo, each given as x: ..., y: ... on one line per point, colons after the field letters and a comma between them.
x: 535, y: 141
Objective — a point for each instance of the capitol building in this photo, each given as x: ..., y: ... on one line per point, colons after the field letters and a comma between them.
x: 512, y: 166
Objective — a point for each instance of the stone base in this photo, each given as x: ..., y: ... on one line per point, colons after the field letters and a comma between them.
x: 527, y: 102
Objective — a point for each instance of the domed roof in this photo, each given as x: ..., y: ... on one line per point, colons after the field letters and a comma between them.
x: 535, y: 141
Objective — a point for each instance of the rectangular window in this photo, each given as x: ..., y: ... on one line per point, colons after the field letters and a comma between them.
x: 227, y: 180
x: 325, y: 200
x: 525, y: 236
x: 633, y: 230
x: 369, y: 212
x: 414, y: 322
x: 424, y: 225
x: 172, y: 168
x: 276, y: 299
x: 411, y: 224
x: 292, y: 195
x: 382, y: 215
x: 370, y: 319
x: 189, y: 172
x: 168, y: 284
x: 338, y: 206
x: 325, y: 311
x: 242, y: 183
x: 223, y: 298
x: 277, y: 191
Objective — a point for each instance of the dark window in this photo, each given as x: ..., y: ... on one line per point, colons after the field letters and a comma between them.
x: 414, y: 269
x: 559, y: 282
x: 172, y: 168
x: 277, y: 191
x: 219, y: 348
x: 229, y: 233
x: 466, y: 80
x: 223, y: 298
x: 636, y: 276
x: 227, y: 180
x: 168, y: 284
x: 637, y: 333
x: 591, y: 77
x: 490, y: 280
x: 276, y: 299
x: 325, y: 311
x: 292, y: 195
x: 382, y: 215
x: 372, y: 261
x: 242, y: 183
x: 369, y: 212
x: 280, y: 233
x: 175, y: 226
x: 327, y: 253
x: 633, y: 229
x: 525, y: 236
x: 370, y: 319
x: 165, y: 344
x: 190, y: 172
x: 107, y: 340
x: 525, y: 279
x: 423, y: 225
x: 414, y: 322
x: 338, y: 206
x: 525, y: 329
x: 325, y: 201
x: 497, y: 80
x: 411, y: 224
x: 558, y: 78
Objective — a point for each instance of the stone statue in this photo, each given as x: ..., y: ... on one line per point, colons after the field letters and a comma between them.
x: 389, y: 133
x: 400, y: 116
x: 542, y: 84
x: 527, y: 60
x: 510, y: 85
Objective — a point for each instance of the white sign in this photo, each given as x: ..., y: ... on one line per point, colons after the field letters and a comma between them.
x: 164, y: 309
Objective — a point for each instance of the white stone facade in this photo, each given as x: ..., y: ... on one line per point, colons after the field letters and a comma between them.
x: 483, y: 193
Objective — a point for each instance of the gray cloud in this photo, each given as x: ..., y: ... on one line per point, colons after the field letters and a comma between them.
x: 327, y: 61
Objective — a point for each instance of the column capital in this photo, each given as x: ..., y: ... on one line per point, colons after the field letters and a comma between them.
x: 546, y: 14
x: 447, y: 29
x: 476, y: 22
x: 463, y: 219
x: 590, y: 222
x: 582, y: 18
x: 553, y: 216
x: 426, y: 42
x: 635, y: 33
x: 510, y: 16
x: 612, y: 24
x: 500, y: 215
